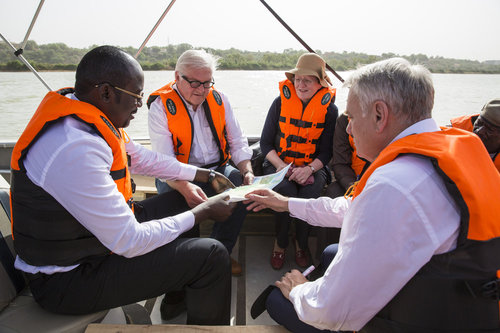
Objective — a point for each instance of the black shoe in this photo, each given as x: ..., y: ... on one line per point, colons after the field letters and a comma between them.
x: 170, y: 311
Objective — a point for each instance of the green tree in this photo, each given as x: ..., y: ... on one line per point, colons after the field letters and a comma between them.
x: 58, y: 56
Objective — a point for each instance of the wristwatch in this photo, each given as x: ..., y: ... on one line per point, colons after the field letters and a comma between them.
x: 211, y: 176
x: 312, y: 168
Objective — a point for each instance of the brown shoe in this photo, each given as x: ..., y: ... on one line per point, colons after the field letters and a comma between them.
x: 235, y: 268
x: 277, y: 259
x: 301, y: 258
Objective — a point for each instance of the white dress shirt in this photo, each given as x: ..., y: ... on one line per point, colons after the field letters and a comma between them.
x: 403, y: 217
x: 72, y: 163
x: 204, y: 149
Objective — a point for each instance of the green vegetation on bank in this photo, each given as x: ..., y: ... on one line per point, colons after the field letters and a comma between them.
x: 59, y: 56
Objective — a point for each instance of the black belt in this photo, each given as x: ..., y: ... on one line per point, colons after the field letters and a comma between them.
x: 293, y: 154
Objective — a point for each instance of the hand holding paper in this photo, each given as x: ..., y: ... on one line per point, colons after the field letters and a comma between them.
x: 262, y: 182
x: 266, y: 198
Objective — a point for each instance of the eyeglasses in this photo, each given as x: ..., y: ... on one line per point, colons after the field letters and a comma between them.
x: 138, y: 97
x: 195, y: 83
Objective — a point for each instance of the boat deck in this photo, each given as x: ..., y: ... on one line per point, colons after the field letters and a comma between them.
x: 253, y: 252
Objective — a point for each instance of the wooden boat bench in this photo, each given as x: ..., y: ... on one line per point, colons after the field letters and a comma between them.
x: 19, y: 311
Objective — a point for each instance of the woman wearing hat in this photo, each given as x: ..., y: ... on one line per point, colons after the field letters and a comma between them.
x: 299, y: 130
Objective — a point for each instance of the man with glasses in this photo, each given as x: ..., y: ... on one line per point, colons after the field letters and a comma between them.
x: 82, y: 241
x: 195, y: 123
x: 487, y: 126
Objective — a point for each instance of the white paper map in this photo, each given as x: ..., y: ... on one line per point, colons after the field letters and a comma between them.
x: 267, y: 181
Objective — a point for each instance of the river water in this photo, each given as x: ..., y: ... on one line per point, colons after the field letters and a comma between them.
x: 250, y: 94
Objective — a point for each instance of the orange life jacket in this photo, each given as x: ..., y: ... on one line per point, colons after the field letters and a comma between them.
x: 181, y: 125
x: 453, y: 150
x: 467, y: 123
x: 437, y: 289
x: 299, y: 128
x: 464, y: 122
x: 357, y: 164
x: 44, y: 232
x: 55, y: 106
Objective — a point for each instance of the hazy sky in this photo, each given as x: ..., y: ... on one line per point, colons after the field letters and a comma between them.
x: 464, y: 29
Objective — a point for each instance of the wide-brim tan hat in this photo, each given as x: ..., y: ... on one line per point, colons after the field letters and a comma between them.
x: 491, y: 111
x: 310, y: 64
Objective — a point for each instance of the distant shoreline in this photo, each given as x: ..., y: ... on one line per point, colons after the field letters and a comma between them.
x: 57, y: 57
x: 155, y: 70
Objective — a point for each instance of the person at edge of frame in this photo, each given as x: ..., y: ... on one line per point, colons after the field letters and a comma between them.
x: 420, y: 237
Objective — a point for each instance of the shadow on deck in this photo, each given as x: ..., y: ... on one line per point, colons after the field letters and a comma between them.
x: 253, y: 252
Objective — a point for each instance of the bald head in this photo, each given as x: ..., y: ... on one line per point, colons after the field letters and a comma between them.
x: 105, y: 64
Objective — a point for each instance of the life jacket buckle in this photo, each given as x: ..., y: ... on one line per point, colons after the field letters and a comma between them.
x: 491, y: 289
x: 130, y: 202
x: 132, y: 185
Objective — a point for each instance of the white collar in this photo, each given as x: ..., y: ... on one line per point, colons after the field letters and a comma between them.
x: 423, y: 126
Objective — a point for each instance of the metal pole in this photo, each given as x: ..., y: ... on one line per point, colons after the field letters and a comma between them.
x: 23, y: 44
x: 20, y: 56
x: 154, y: 28
x: 298, y: 38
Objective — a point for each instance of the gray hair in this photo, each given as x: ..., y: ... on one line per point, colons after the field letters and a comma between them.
x: 407, y: 89
x: 196, y: 59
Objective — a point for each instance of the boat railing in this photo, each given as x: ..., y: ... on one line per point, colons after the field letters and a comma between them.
x: 144, y: 183
x: 5, y: 154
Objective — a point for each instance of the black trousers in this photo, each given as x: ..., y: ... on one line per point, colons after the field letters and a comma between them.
x: 200, y: 266
x: 293, y: 189
x: 281, y: 309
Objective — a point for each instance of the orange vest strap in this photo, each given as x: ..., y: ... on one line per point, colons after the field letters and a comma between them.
x: 181, y: 125
x: 464, y: 122
x: 357, y: 164
x: 451, y: 149
x: 56, y: 106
